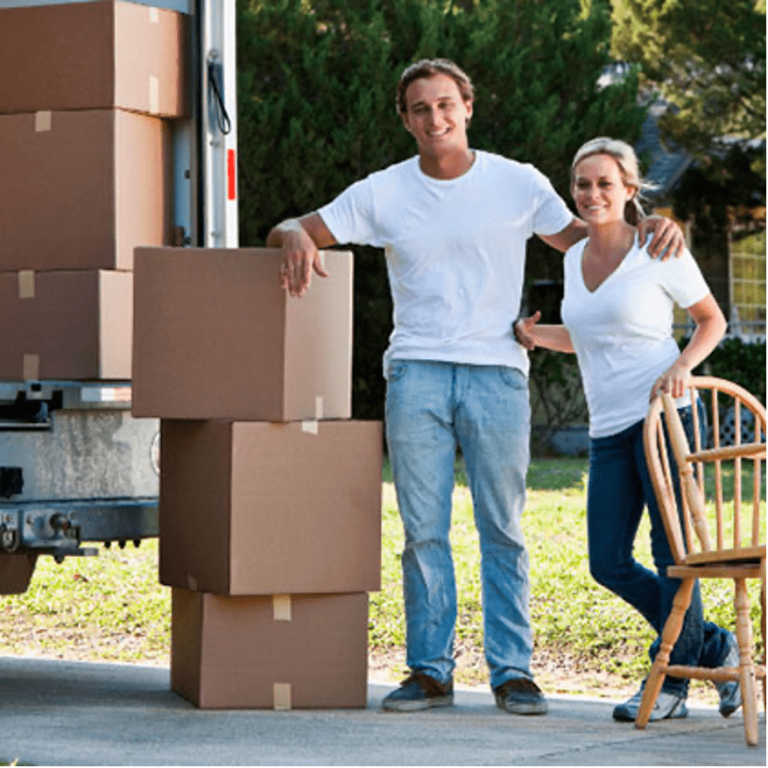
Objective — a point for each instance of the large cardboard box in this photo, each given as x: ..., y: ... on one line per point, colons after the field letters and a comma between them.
x: 65, y: 325
x: 259, y: 508
x: 272, y: 652
x: 81, y: 189
x: 94, y: 55
x: 215, y: 336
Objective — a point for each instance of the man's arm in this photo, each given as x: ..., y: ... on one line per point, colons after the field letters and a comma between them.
x: 300, y: 240
x: 667, y: 239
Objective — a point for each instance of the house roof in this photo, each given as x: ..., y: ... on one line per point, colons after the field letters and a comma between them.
x: 664, y: 163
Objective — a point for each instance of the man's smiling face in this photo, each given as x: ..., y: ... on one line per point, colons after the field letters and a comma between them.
x: 437, y: 115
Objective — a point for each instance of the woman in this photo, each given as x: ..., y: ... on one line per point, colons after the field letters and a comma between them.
x: 617, y: 312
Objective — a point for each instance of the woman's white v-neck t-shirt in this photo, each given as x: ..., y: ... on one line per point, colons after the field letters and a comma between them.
x: 622, y: 331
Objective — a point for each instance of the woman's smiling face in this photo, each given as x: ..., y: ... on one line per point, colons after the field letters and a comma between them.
x: 599, y: 190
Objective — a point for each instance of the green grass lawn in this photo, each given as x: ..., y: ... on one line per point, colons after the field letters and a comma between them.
x: 112, y: 608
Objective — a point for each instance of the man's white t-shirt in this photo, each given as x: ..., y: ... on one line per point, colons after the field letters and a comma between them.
x: 455, y: 253
x: 622, y: 331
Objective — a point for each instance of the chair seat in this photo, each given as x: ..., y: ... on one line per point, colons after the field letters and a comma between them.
x: 746, y: 555
x: 740, y: 570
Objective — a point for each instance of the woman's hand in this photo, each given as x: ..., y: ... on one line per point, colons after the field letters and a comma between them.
x: 673, y: 381
x: 531, y: 335
x: 524, y: 331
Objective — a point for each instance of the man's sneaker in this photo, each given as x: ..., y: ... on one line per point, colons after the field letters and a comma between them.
x: 419, y: 691
x: 667, y: 706
x: 520, y: 696
x: 729, y: 690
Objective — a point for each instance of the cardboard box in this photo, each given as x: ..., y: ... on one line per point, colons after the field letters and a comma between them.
x: 216, y: 337
x: 258, y: 508
x: 65, y: 325
x: 81, y: 189
x: 273, y: 652
x: 94, y: 56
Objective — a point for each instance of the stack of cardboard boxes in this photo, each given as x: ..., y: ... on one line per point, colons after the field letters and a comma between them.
x: 86, y: 94
x: 270, y: 494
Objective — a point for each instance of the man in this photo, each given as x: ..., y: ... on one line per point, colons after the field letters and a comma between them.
x: 454, y: 223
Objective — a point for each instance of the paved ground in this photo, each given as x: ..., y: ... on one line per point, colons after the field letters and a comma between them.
x: 69, y: 713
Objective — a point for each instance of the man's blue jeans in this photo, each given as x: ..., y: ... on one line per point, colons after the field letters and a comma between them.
x: 433, y: 407
x: 618, y: 490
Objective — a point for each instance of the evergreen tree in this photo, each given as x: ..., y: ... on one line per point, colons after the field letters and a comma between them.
x: 317, y: 111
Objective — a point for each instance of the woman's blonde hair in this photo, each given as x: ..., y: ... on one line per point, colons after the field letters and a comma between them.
x: 629, y: 168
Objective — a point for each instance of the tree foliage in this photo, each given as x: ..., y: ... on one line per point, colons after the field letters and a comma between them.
x: 707, y: 57
x: 722, y: 193
x: 317, y: 111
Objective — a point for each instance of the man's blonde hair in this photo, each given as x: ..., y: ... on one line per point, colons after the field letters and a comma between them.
x: 430, y: 68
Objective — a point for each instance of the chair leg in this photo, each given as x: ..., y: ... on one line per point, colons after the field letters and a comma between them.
x: 762, y: 624
x: 671, y: 631
x: 746, y: 664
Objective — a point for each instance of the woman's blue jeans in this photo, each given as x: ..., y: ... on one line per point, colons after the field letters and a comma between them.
x: 433, y: 407
x: 618, y: 490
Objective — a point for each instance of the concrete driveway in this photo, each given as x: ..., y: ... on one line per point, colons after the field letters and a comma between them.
x: 71, y: 713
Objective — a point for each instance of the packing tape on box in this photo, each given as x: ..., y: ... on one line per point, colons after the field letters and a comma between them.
x: 309, y: 426
x: 27, y: 284
x: 154, y: 94
x: 43, y: 121
x: 154, y: 16
x: 281, y: 607
x: 319, y: 407
x: 281, y: 696
x: 30, y: 367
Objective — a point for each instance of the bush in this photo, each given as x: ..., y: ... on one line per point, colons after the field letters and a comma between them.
x: 557, y: 397
x: 737, y: 361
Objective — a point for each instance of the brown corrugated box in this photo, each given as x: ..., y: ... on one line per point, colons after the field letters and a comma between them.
x: 272, y: 652
x: 258, y: 508
x: 216, y: 337
x: 65, y: 325
x: 81, y: 189
x: 93, y: 56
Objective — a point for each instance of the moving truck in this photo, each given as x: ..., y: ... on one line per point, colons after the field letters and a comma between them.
x: 116, y: 116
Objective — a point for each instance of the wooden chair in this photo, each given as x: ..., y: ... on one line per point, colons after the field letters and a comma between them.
x: 715, y: 534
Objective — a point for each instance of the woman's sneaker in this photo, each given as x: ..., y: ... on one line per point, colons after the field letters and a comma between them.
x: 667, y: 706
x: 729, y: 690
x: 419, y: 691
